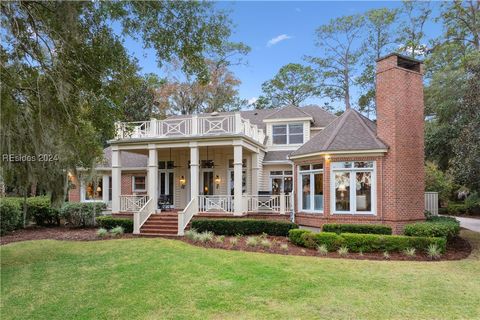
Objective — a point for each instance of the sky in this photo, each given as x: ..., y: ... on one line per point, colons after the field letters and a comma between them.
x: 278, y: 33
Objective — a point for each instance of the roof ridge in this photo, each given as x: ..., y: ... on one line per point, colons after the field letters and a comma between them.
x: 342, y: 120
x: 364, y: 125
x: 286, y: 107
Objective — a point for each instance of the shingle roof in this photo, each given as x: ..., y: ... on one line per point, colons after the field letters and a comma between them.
x: 276, y: 156
x: 321, y: 117
x: 350, y: 131
x: 128, y: 159
x: 288, y: 112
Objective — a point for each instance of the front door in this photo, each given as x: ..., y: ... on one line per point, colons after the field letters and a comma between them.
x: 166, y: 188
x: 206, y: 183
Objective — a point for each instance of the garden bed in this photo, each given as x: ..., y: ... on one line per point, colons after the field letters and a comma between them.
x: 458, y: 249
x: 54, y: 233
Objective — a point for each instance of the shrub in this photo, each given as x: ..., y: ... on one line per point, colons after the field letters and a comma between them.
x: 117, y: 231
x: 243, y: 226
x: 234, y: 241
x: 331, y: 240
x: 386, y: 255
x: 109, y: 222
x: 357, y: 228
x: 322, y: 249
x: 343, y: 251
x: 40, y: 210
x: 445, y: 227
x: 409, y: 252
x: 284, y: 247
x: 102, y: 232
x: 11, y: 215
x: 191, y: 234
x: 252, y: 241
x: 220, y: 239
x: 265, y: 243
x: 433, y: 251
x: 78, y: 214
x: 456, y: 208
x: 295, y: 236
x: 376, y: 243
x: 205, y: 236
x: 472, y: 204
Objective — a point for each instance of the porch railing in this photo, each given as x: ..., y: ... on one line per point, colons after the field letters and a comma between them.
x: 250, y: 203
x: 142, y: 215
x: 129, y: 203
x: 195, y: 125
x: 215, y: 203
x: 186, y: 215
x: 267, y: 203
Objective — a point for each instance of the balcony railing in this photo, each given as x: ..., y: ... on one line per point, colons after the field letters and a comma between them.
x: 196, y: 125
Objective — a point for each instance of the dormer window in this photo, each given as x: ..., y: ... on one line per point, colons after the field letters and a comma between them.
x: 287, y: 133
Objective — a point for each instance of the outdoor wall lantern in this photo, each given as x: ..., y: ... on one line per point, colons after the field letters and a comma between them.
x: 217, y: 181
x: 183, y: 182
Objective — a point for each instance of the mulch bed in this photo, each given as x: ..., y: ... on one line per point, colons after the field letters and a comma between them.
x: 456, y: 250
x: 55, y: 233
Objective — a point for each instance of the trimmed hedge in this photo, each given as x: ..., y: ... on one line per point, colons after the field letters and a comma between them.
x: 357, y: 228
x: 109, y: 222
x: 11, y: 215
x: 356, y: 242
x: 234, y: 226
x: 295, y: 236
x: 39, y: 209
x: 445, y: 227
x: 78, y: 214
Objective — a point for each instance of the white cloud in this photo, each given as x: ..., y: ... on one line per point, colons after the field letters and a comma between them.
x: 252, y: 100
x: 278, y: 39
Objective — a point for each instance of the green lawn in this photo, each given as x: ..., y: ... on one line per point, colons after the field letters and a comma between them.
x: 157, y: 278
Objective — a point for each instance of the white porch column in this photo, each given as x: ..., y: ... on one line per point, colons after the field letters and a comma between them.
x: 194, y: 173
x: 152, y: 188
x: 116, y: 179
x: 255, y: 168
x: 237, y: 179
x: 105, y: 187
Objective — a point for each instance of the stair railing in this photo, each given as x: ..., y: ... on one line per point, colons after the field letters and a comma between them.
x: 186, y: 215
x: 142, y: 215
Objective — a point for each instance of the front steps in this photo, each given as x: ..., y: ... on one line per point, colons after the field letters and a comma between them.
x: 161, y: 224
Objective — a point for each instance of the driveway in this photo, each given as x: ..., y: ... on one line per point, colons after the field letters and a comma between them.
x: 469, y: 223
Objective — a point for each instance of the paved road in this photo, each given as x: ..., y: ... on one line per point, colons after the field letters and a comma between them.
x: 469, y: 223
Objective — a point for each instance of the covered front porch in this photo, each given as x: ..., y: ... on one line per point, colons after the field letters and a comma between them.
x: 206, y: 176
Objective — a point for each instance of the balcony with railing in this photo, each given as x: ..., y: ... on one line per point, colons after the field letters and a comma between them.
x: 195, y: 125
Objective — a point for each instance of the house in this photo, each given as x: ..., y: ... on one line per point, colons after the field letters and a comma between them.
x: 295, y: 163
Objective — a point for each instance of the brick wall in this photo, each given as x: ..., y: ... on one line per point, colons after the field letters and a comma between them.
x: 400, y: 114
x: 74, y: 192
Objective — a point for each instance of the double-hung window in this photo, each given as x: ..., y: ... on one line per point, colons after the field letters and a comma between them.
x: 310, y: 188
x: 353, y: 187
x: 287, y: 133
x: 139, y: 184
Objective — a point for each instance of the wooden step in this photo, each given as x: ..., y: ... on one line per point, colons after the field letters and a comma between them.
x: 159, y: 231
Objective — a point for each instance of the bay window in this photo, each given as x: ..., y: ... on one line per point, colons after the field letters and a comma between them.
x: 310, y: 195
x: 353, y: 187
x: 287, y: 133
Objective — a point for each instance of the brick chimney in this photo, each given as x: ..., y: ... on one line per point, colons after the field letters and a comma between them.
x: 400, y: 124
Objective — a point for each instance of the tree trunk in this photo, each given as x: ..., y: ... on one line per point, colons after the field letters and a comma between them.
x: 25, y: 208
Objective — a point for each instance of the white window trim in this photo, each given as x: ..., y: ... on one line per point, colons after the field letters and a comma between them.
x: 288, y: 134
x: 280, y: 176
x: 353, y: 195
x: 82, y: 193
x: 311, y: 172
x: 133, y: 184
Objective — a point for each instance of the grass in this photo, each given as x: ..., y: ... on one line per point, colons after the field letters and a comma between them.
x: 148, y: 278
